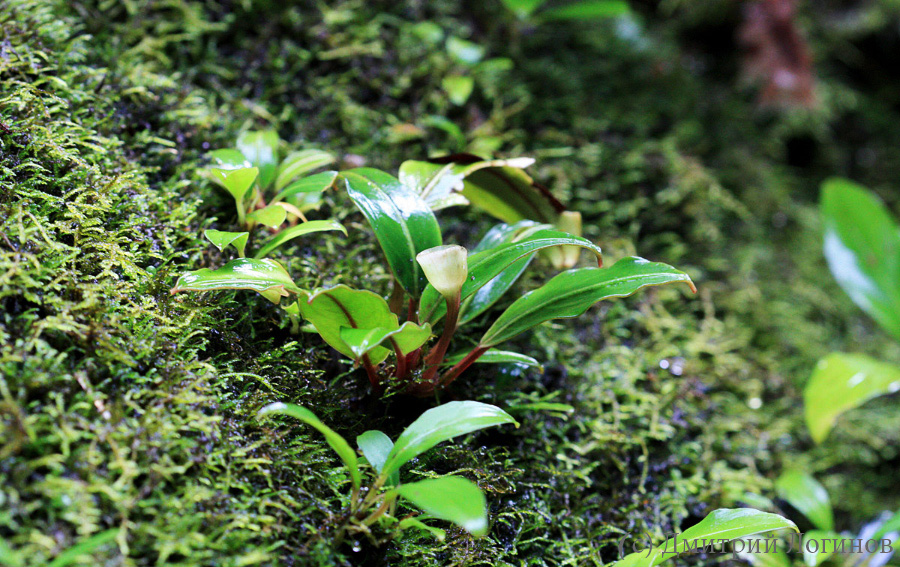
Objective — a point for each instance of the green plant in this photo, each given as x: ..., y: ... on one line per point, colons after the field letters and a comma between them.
x: 862, y: 247
x: 450, y: 498
x: 366, y: 328
x: 580, y: 10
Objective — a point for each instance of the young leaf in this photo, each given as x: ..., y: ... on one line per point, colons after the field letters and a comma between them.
x: 862, y: 247
x: 458, y: 88
x: 331, y: 309
x: 571, y: 293
x: 438, y: 181
x: 401, y: 220
x: 842, y: 382
x: 221, y: 239
x: 587, y: 10
x: 804, y: 493
x: 237, y: 182
x: 300, y: 163
x: 441, y: 424
x: 316, y: 183
x: 261, y: 148
x: 266, y: 277
x: 723, y: 524
x: 338, y: 443
x: 494, y: 356
x: 406, y: 339
x: 407, y: 523
x: 464, y: 51
x: 271, y: 216
x: 487, y: 268
x: 451, y: 498
x: 228, y: 159
x: 376, y: 446
x: 299, y: 230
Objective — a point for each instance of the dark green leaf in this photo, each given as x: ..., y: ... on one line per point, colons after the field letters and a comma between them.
x: 266, y: 277
x: 316, y: 183
x: 842, y: 382
x: 338, y: 443
x: 299, y: 230
x: 401, y: 220
x: 862, y: 246
x: 571, y: 293
x: 221, y: 239
x: 261, y: 148
x: 300, y: 163
x: 804, y: 493
x: 441, y: 424
x: 587, y: 10
x: 451, y: 498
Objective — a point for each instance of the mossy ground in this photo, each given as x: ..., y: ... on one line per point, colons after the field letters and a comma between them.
x: 124, y: 407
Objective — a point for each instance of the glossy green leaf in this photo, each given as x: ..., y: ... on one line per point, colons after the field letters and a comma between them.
x: 804, y: 493
x: 451, y: 498
x: 495, y: 356
x: 328, y: 310
x: 228, y: 159
x: 376, y: 446
x: 523, y: 8
x: 504, y: 233
x: 407, y: 523
x: 338, y: 443
x: 405, y: 339
x: 86, y: 547
x: 488, y: 269
x: 261, y: 148
x: 464, y: 51
x: 458, y: 88
x: 237, y: 182
x: 221, y: 239
x: 266, y: 277
x: 403, y: 223
x: 842, y: 382
x: 271, y: 216
x: 316, y: 183
x: 862, y: 246
x: 571, y: 293
x: 300, y: 163
x: 815, y: 554
x: 587, y: 10
x: 299, y: 230
x: 723, y: 524
x: 441, y: 424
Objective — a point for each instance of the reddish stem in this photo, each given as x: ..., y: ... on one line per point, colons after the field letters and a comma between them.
x: 434, y: 358
x: 371, y: 372
x: 460, y: 367
x: 412, y: 313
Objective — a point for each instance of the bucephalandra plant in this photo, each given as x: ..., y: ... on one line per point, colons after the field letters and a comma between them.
x: 450, y: 498
x: 438, y: 286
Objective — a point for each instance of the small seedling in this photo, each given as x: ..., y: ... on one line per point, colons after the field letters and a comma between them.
x: 450, y: 498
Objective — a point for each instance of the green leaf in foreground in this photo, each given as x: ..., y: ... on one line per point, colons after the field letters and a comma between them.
x: 338, y: 443
x: 842, y: 382
x: 376, y: 446
x: 299, y: 163
x: 451, y: 498
x: 222, y: 239
x: 299, y: 230
x: 266, y: 277
x: 495, y: 356
x: 723, y: 524
x: 85, y: 547
x: 571, y: 293
x: 441, y: 424
x: 804, y: 493
x: 862, y: 246
x: 403, y: 223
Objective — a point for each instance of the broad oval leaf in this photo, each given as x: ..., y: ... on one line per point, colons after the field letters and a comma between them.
x: 441, y: 424
x: 842, y: 382
x: 300, y: 163
x: 723, y: 524
x: 299, y: 230
x: 862, y: 247
x: 406, y: 339
x: 458, y: 88
x: 487, y: 268
x: 238, y: 182
x: 228, y: 158
x: 271, y: 216
x: 221, y: 239
x: 464, y: 51
x: 401, y: 220
x: 571, y: 293
x: 451, y: 498
x: 316, y: 183
x: 261, y: 148
x: 338, y: 443
x: 495, y: 356
x: 376, y: 446
x: 328, y: 310
x: 804, y: 493
x: 266, y: 277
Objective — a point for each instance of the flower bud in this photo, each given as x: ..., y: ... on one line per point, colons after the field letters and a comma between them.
x: 568, y: 221
x: 446, y: 268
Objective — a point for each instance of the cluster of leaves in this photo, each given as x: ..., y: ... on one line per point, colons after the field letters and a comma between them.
x: 367, y: 328
x: 451, y: 498
x: 862, y: 247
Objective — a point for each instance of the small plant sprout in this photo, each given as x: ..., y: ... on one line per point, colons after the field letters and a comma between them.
x: 375, y: 504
